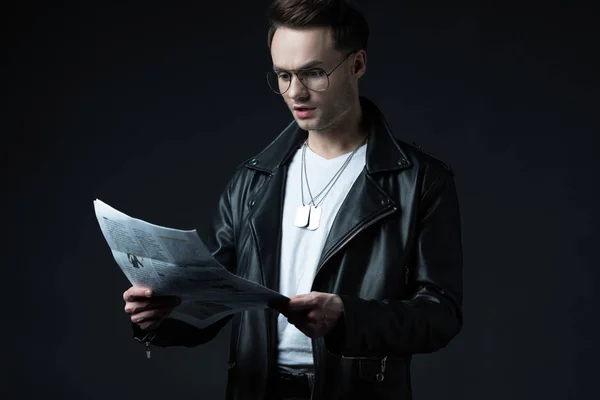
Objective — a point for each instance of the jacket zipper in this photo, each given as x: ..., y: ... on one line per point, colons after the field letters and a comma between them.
x: 146, y: 341
x: 360, y: 229
x: 380, y: 376
x: 148, y: 353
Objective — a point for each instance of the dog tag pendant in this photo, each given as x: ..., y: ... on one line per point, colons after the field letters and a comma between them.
x: 315, y: 218
x: 302, y: 216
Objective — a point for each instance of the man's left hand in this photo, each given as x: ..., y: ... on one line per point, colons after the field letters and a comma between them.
x: 315, y: 313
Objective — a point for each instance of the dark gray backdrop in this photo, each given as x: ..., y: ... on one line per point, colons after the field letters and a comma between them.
x: 150, y: 108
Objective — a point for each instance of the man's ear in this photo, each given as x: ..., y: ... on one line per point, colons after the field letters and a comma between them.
x: 360, y: 63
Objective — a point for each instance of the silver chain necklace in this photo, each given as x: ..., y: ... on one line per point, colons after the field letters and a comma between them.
x: 309, y: 215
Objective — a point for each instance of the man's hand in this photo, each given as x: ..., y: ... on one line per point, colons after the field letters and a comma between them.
x: 146, y: 310
x: 315, y: 313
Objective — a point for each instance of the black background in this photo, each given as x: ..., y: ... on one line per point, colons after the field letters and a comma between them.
x: 150, y: 107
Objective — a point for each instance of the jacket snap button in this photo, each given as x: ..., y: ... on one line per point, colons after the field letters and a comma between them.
x: 251, y: 203
x: 254, y: 161
x: 385, y: 201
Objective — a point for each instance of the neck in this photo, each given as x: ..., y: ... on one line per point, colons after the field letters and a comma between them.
x: 340, y: 139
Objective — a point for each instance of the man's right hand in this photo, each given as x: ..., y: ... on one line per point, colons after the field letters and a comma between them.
x: 146, y: 310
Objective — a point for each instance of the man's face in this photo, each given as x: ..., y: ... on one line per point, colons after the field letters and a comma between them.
x: 294, y: 49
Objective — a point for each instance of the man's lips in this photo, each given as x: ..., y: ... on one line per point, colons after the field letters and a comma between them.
x: 304, y: 112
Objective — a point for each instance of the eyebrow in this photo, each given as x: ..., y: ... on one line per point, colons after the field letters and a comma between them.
x: 305, y: 66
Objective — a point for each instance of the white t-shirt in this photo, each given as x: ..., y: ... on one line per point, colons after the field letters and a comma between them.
x: 301, y: 248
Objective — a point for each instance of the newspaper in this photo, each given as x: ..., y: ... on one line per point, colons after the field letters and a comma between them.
x: 177, y: 262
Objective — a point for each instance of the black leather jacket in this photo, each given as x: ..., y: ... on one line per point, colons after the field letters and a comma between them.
x: 394, y: 255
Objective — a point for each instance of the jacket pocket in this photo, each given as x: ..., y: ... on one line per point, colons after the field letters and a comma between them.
x: 371, y: 369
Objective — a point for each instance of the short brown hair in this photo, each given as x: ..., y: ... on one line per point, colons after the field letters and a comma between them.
x: 349, y: 26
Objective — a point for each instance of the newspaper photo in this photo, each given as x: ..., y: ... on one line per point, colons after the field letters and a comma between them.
x: 177, y: 262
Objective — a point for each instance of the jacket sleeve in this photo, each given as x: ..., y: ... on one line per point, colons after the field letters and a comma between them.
x: 220, y: 240
x: 432, y: 316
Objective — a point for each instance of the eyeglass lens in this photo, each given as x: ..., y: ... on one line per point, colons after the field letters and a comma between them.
x: 314, y: 79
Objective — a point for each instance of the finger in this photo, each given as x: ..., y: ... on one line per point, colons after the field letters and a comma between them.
x: 315, y: 315
x: 300, y: 306
x: 150, y: 315
x: 313, y: 330
x: 308, y: 331
x: 135, y: 292
x: 303, y: 302
x: 153, y: 303
x: 316, y: 323
x: 135, y: 307
x: 150, y: 325
x: 311, y: 323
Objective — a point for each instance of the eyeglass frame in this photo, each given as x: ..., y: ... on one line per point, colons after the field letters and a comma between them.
x: 295, y: 72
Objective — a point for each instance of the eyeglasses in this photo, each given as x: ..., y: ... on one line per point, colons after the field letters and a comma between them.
x: 315, y: 79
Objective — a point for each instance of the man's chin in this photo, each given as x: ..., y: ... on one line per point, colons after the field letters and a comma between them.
x: 307, y: 124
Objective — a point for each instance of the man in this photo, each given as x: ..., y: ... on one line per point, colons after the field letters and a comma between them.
x: 359, y: 229
x: 134, y: 260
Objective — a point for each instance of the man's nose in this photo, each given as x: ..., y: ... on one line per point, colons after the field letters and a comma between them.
x: 297, y: 90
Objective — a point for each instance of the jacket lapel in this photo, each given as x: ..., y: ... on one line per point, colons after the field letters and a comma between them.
x: 267, y: 204
x: 365, y: 203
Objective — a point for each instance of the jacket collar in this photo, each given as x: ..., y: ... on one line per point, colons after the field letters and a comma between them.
x: 383, y: 151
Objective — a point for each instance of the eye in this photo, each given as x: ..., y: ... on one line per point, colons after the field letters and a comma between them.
x: 315, y: 73
x: 284, y: 76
